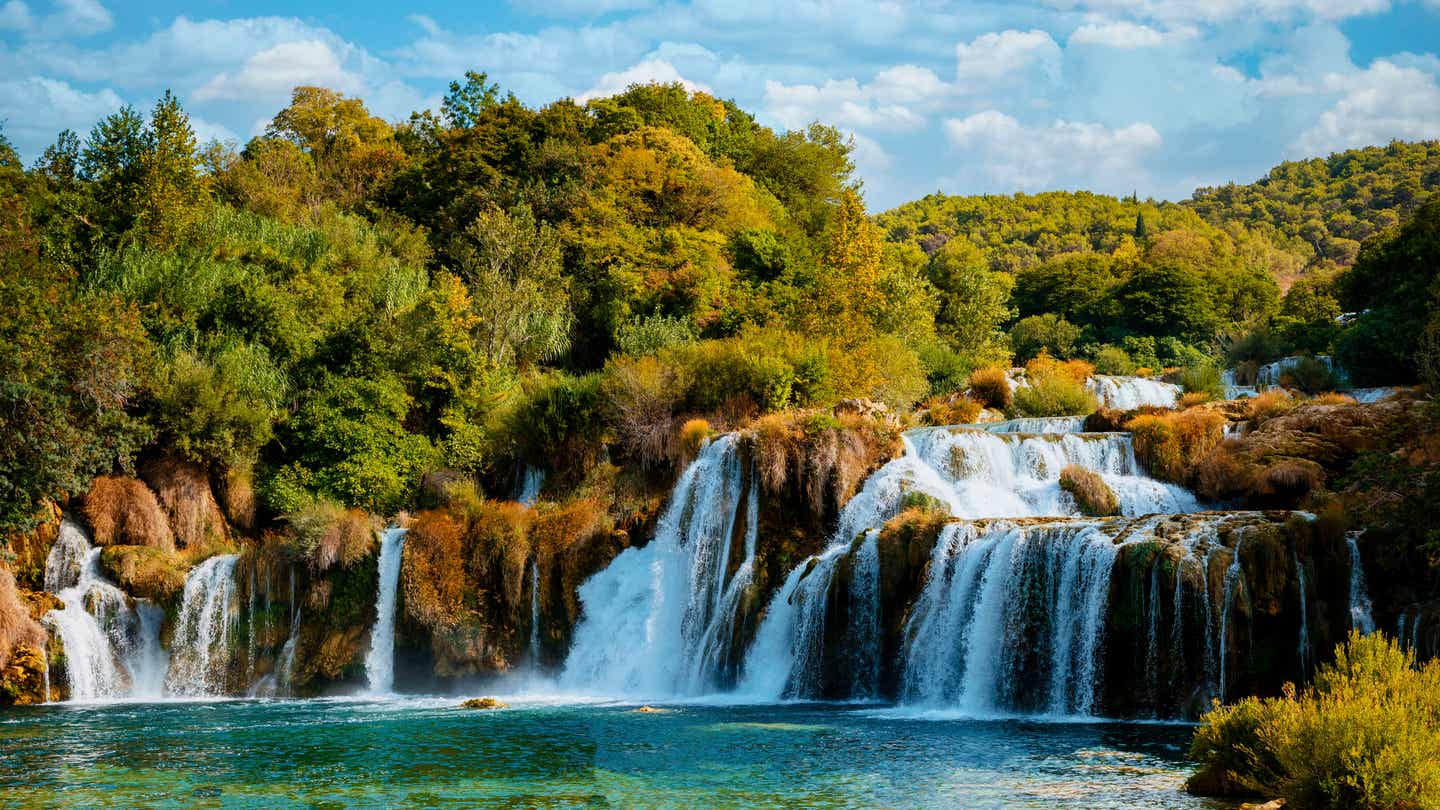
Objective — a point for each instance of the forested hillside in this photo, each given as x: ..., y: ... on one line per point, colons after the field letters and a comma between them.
x: 347, y: 306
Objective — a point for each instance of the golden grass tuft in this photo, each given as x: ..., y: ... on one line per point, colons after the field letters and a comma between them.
x: 693, y: 435
x: 1270, y: 404
x: 1290, y: 479
x: 237, y: 496
x: 1091, y: 493
x: 990, y: 386
x: 183, y: 489
x: 1171, y: 444
x: 433, y: 578
x: 955, y: 409
x: 149, y: 573
x: 327, y: 533
x: 1045, y: 366
x: 776, y: 445
x: 1332, y: 398
x: 125, y: 512
x: 17, y: 627
x: 1193, y: 398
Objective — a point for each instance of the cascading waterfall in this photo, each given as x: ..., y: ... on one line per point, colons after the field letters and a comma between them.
x: 534, y: 616
x: 380, y: 660
x: 112, y: 649
x: 1303, y: 647
x: 200, y: 653
x: 1038, y: 425
x: 1128, y: 393
x: 1361, y: 616
x: 864, y: 631
x: 527, y: 489
x: 657, y: 622
x: 1234, y: 580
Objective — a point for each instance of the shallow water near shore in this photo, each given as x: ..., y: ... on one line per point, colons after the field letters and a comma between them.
x: 428, y: 752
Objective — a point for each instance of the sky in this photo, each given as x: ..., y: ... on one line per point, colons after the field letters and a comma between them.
x: 1155, y: 97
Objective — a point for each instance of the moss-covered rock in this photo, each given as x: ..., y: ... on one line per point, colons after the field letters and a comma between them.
x: 1092, y: 495
x: 144, y: 571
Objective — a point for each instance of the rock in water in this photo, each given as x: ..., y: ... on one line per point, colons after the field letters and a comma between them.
x: 484, y: 703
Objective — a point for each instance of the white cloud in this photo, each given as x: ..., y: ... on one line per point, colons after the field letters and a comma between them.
x: 272, y: 73
x: 15, y: 16
x: 1384, y: 102
x: 49, y: 105
x: 884, y: 104
x: 650, y: 71
x: 1005, y: 54
x: 1015, y: 156
x: 1124, y: 35
x: 1217, y: 11
x: 81, y: 17
x: 583, y: 8
x: 207, y: 131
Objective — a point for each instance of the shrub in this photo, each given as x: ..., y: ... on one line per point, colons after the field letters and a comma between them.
x: 776, y: 443
x: 1268, y: 405
x: 1113, y: 360
x: 1203, y: 378
x: 1193, y: 398
x: 1105, y: 420
x: 915, y: 499
x: 326, y: 533
x: 1043, y: 333
x: 1363, y: 735
x: 952, y: 410
x: 693, y: 435
x: 149, y: 573
x: 124, y: 511
x: 1290, y: 479
x: 1091, y: 493
x: 1055, y: 389
x: 1171, y: 444
x: 1309, y: 375
x: 16, y: 625
x: 652, y: 334
x: 1332, y: 398
x: 945, y: 369
x: 642, y: 395
x: 990, y: 387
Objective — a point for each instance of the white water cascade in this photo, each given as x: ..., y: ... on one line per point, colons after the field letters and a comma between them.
x: 1040, y: 424
x: 659, y: 620
x: 380, y: 660
x: 1361, y: 617
x: 1128, y: 393
x: 200, y: 653
x: 112, y: 650
x: 527, y: 488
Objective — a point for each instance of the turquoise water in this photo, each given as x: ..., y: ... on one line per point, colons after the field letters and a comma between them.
x: 428, y: 752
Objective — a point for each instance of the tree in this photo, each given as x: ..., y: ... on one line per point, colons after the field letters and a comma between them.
x: 171, y: 189
x: 1043, y: 333
x: 465, y: 105
x: 112, y: 161
x: 60, y: 162
x: 849, y: 292
x: 354, y: 151
x: 1140, y: 230
x: 974, y: 300
x: 1168, y: 300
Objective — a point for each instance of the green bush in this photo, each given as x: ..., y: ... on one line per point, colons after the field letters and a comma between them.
x: 1043, y: 333
x: 1203, y: 378
x: 1364, y: 735
x: 221, y: 411
x: 1113, y: 360
x: 652, y: 334
x: 1310, y: 375
x: 1054, y: 395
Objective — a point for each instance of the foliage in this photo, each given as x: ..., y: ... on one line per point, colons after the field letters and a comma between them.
x: 1091, y: 493
x: 1363, y: 735
x: 991, y: 387
x: 1203, y: 378
x: 1055, y: 389
x: 1170, y: 444
x: 1048, y: 333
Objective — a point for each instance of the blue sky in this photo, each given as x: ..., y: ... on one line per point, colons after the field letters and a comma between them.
x: 1154, y: 96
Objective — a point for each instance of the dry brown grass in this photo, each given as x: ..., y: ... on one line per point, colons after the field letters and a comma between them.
x: 433, y: 577
x: 16, y: 625
x: 1290, y: 479
x: 1105, y: 420
x: 954, y: 409
x: 1091, y: 493
x: 643, y: 394
x: 990, y: 386
x: 498, y: 537
x: 124, y: 511
x: 1170, y: 444
x: 1045, y: 366
x: 1270, y: 404
x: 1193, y: 398
x: 327, y: 533
x: 1331, y: 398
x: 183, y: 489
x: 692, y: 435
x: 1224, y: 472
x: 776, y: 444
x: 237, y: 496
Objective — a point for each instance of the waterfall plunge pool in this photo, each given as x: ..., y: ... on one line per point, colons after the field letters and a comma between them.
x: 426, y: 751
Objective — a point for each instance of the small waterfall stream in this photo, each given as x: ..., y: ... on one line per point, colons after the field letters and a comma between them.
x: 1128, y: 393
x: 1361, y: 616
x: 380, y: 660
x: 200, y: 652
x: 112, y: 643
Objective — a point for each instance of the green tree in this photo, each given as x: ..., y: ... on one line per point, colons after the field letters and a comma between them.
x: 113, y: 163
x: 973, y: 300
x: 171, y: 189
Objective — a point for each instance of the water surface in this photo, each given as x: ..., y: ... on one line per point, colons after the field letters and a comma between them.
x: 427, y: 752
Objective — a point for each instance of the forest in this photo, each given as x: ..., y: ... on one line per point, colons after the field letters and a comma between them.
x: 346, y: 304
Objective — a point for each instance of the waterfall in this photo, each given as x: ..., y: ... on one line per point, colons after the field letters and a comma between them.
x: 112, y: 643
x: 200, y: 653
x: 1234, y: 579
x: 380, y: 660
x: 997, y: 592
x: 279, y: 680
x: 1303, y: 647
x: 534, y: 616
x: 527, y: 489
x: 864, y: 631
x: 1129, y: 393
x: 1361, y: 617
x: 1038, y: 425
x: 656, y: 622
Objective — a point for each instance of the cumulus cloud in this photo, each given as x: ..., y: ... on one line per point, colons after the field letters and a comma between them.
x: 69, y: 18
x: 273, y: 72
x: 1006, y: 54
x: 650, y: 71
x: 1125, y: 35
x: 883, y: 104
x: 1216, y: 11
x: 1013, y: 155
x: 15, y: 16
x: 40, y: 106
x: 1384, y: 102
